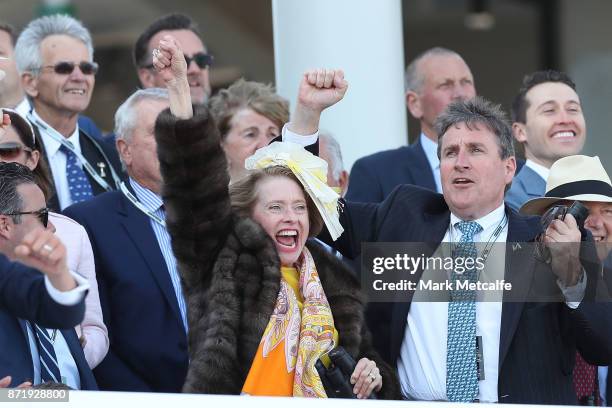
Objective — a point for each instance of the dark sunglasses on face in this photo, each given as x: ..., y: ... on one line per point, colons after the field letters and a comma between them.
x: 42, y: 215
x: 201, y: 59
x: 11, y: 150
x: 66, y: 67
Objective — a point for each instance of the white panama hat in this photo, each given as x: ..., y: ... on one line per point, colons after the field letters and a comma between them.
x: 574, y: 178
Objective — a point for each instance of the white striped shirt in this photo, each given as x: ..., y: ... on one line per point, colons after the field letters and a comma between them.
x: 153, y: 203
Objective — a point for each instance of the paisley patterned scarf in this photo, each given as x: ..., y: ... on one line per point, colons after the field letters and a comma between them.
x: 300, y: 331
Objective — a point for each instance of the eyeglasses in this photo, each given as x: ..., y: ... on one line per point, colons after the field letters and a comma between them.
x: 66, y: 67
x: 11, y: 150
x: 201, y: 59
x: 42, y: 215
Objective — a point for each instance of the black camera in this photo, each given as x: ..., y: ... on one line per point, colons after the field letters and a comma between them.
x: 336, y: 379
x: 558, y: 212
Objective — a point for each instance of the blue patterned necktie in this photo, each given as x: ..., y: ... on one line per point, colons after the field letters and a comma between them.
x: 461, y: 370
x: 80, y: 189
x: 49, y: 367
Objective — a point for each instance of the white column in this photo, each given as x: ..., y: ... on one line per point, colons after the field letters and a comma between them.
x: 587, y: 58
x: 365, y: 39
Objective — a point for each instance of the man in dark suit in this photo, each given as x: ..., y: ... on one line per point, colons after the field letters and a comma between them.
x: 434, y: 79
x: 526, y: 349
x: 54, y: 56
x: 30, y: 315
x: 140, y: 292
x: 520, y: 350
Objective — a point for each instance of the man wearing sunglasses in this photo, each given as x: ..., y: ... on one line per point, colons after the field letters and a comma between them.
x: 12, y: 94
x: 34, y: 352
x: 198, y: 59
x: 54, y: 55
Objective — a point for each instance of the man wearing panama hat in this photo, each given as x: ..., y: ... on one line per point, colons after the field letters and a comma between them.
x: 583, y: 178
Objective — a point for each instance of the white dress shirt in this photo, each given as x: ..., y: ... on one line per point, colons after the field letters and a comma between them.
x: 23, y: 108
x: 422, y: 361
x: 304, y: 140
x: 431, y: 152
x: 67, y: 365
x: 57, y: 158
x: 538, y: 168
x: 603, y: 376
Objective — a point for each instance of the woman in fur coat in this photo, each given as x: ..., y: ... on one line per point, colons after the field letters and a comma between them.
x: 264, y: 302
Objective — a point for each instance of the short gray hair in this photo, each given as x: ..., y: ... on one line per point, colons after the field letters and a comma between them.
x: 474, y: 112
x: 414, y: 77
x: 126, y: 118
x: 27, y: 50
x: 333, y: 148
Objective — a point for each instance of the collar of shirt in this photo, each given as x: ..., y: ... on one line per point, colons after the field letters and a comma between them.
x: 151, y: 201
x: 431, y: 150
x: 52, y: 146
x: 488, y: 222
x: 23, y: 107
x: 538, y: 168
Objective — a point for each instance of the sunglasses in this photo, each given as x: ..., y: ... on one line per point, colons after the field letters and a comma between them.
x: 66, y: 67
x: 201, y: 59
x: 42, y: 215
x: 11, y: 150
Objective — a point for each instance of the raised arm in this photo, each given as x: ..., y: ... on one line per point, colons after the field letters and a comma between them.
x: 194, y: 172
x: 319, y: 89
x: 169, y: 61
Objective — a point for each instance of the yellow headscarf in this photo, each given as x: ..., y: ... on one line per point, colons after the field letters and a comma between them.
x: 310, y: 170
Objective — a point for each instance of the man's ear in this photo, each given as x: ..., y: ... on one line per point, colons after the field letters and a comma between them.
x: 343, y: 180
x: 519, y: 131
x: 6, y: 226
x: 29, y: 83
x: 510, y: 166
x: 146, y: 77
x: 125, y: 153
x: 413, y: 102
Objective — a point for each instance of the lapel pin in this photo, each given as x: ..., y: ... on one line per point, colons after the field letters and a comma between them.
x: 102, y: 166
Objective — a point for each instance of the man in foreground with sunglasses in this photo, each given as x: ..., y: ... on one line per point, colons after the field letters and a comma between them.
x: 54, y: 55
x: 198, y: 59
x: 34, y: 352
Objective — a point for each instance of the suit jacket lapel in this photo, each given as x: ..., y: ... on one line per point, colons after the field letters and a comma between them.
x: 432, y: 236
x: 420, y: 168
x: 138, y: 227
x: 92, y: 154
x: 535, y: 186
x: 519, y: 271
x: 26, y: 338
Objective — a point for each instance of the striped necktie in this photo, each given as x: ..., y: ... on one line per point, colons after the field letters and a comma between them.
x: 461, y: 370
x: 49, y: 367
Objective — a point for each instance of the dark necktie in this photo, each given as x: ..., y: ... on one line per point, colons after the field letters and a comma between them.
x: 49, y: 367
x: 80, y: 189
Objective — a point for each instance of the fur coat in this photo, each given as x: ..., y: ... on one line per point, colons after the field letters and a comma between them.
x: 230, y: 270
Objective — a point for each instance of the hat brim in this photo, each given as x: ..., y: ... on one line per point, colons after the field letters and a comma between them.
x: 538, y: 206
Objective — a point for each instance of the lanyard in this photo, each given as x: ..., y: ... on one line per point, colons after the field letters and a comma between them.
x: 492, y: 239
x: 86, y: 165
x: 128, y: 194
